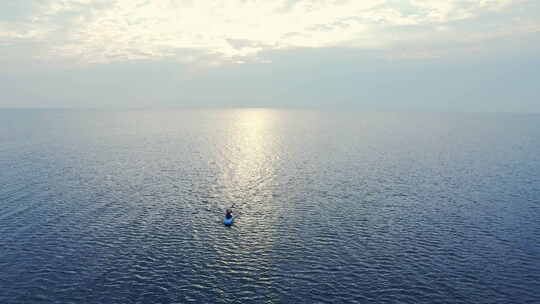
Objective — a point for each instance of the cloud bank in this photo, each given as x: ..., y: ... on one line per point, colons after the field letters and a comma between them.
x: 238, y: 31
x: 457, y: 55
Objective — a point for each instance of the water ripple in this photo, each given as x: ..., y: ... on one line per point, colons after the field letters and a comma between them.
x: 127, y: 207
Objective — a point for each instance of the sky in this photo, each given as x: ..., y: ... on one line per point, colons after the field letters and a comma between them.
x: 427, y: 55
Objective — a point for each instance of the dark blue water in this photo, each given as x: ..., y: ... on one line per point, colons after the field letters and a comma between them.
x: 331, y: 207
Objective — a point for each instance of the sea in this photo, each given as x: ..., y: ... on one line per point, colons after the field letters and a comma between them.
x: 127, y: 206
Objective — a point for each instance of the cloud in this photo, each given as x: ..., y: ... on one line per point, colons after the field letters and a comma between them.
x: 89, y: 31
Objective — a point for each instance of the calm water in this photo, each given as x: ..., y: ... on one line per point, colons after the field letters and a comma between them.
x: 127, y: 207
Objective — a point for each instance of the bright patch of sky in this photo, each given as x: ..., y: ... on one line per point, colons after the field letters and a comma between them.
x: 477, y: 55
x: 99, y: 31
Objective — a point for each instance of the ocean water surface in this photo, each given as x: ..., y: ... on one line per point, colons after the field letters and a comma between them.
x: 331, y: 207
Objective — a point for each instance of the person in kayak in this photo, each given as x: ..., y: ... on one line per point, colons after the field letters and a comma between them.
x: 228, y: 214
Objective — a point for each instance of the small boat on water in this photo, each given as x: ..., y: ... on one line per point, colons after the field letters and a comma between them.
x: 228, y: 221
x: 228, y: 216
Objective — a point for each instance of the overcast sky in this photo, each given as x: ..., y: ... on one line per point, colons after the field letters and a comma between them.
x: 453, y: 55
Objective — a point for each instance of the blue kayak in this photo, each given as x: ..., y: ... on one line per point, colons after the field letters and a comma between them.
x: 228, y: 221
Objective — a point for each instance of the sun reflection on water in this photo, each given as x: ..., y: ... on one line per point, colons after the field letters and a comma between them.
x: 250, y: 151
x: 249, y: 156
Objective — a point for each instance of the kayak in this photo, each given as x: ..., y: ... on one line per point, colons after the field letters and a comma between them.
x: 228, y: 221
